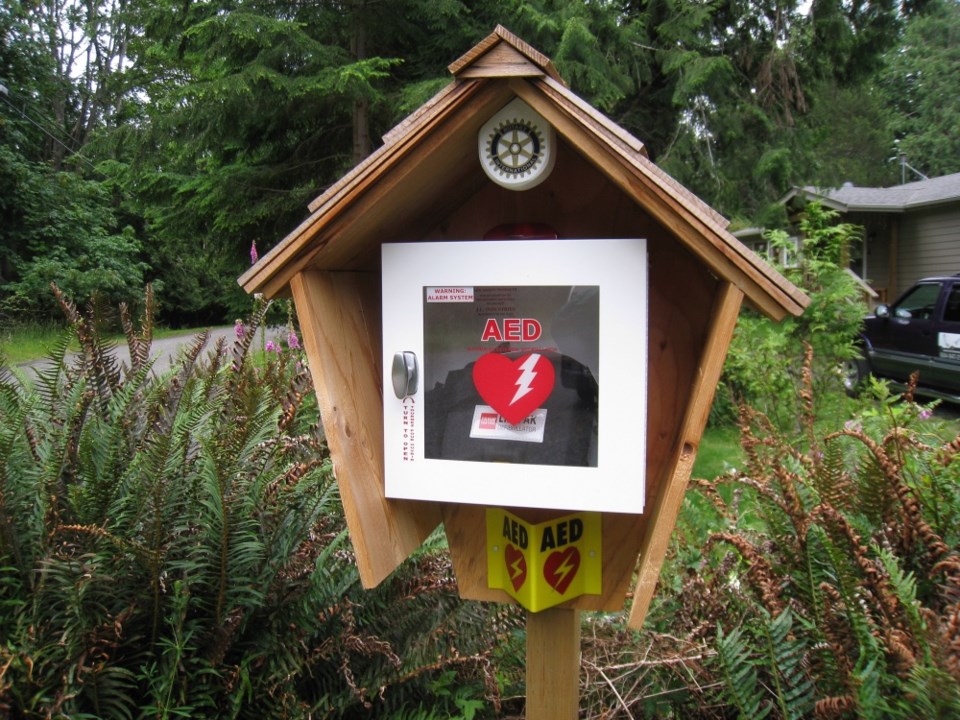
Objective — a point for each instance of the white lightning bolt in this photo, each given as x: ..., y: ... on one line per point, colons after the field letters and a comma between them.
x: 526, y: 377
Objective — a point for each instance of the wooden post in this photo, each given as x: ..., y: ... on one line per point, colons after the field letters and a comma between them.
x: 553, y: 664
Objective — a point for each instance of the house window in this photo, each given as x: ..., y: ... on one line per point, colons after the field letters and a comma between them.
x: 786, y: 255
x: 789, y: 253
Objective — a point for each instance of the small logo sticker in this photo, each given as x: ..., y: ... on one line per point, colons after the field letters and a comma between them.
x: 491, y: 425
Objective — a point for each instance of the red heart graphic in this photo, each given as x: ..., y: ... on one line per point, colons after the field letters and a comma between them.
x: 514, y: 388
x: 561, y: 567
x: 516, y: 566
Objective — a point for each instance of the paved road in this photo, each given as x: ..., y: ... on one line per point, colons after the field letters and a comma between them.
x: 167, y: 349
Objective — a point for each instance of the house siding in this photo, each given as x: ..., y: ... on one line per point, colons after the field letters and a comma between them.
x: 876, y: 231
x: 929, y: 245
x: 878, y: 267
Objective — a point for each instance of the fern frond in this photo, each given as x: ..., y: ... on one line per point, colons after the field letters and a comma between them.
x: 868, y: 683
x: 241, y: 346
x: 832, y: 480
x: 139, y: 342
x: 786, y: 654
x: 51, y: 379
x: 760, y: 574
x: 904, y: 586
x: 741, y: 684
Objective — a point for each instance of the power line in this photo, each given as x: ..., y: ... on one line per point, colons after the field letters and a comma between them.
x: 5, y: 94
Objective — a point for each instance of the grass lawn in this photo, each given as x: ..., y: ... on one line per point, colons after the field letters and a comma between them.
x: 719, y: 451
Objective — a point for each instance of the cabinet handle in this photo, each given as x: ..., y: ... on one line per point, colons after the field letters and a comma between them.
x: 405, y: 374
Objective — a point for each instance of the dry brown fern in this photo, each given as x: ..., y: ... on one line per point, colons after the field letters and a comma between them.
x: 760, y: 574
x: 834, y: 708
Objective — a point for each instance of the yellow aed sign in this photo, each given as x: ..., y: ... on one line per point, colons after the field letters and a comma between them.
x: 545, y: 564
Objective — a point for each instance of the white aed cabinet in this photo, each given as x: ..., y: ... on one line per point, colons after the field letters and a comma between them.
x: 515, y: 372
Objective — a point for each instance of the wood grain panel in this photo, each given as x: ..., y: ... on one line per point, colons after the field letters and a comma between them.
x: 339, y: 317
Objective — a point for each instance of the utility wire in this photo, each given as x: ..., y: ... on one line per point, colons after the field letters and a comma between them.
x: 5, y: 95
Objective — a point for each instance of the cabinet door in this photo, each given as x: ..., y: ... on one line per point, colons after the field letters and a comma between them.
x: 493, y: 354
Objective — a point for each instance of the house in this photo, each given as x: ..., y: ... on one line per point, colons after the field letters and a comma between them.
x: 911, y: 231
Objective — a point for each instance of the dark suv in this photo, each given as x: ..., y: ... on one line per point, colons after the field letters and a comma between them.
x: 919, y: 332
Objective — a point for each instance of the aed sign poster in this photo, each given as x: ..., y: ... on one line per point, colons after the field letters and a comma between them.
x: 545, y: 564
x: 526, y: 372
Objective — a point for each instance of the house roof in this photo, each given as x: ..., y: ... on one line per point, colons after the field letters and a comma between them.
x: 434, y: 151
x: 896, y: 199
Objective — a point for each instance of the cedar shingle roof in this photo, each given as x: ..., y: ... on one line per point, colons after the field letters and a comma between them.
x: 341, y: 231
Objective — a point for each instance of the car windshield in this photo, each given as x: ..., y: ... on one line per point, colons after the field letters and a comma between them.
x: 918, y: 303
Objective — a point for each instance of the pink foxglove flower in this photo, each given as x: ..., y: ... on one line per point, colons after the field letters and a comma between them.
x: 253, y: 253
x: 293, y: 341
x: 239, y: 329
x: 270, y: 346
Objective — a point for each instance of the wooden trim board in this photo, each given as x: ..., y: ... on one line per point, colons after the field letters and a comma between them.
x: 665, y: 506
x: 339, y: 317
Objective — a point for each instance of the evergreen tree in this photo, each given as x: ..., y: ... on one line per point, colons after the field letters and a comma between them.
x: 922, y: 89
x: 56, y: 224
x: 253, y: 108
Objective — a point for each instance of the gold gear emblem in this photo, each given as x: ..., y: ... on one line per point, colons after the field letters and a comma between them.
x: 516, y: 147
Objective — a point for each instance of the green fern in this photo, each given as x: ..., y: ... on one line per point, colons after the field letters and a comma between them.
x: 831, y: 479
x: 874, y: 497
x: 741, y: 683
x: 786, y: 654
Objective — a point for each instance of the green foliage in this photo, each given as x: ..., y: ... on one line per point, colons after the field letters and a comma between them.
x: 251, y: 110
x: 740, y: 676
x: 921, y: 89
x: 824, y: 569
x: 210, y: 126
x: 58, y: 227
x: 587, y: 43
x: 820, y: 577
x: 765, y: 358
x: 751, y: 678
x: 173, y: 546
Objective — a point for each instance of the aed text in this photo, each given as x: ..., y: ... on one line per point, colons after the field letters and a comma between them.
x: 516, y: 533
x: 563, y: 533
x: 512, y: 329
x: 554, y: 536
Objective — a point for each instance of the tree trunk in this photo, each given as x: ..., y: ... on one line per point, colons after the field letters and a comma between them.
x: 362, y: 146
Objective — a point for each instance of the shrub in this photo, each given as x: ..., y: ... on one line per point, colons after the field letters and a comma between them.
x: 819, y: 579
x: 173, y: 546
x: 764, y: 363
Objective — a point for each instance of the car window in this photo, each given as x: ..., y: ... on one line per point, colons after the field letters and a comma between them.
x: 918, y: 303
x: 951, y: 313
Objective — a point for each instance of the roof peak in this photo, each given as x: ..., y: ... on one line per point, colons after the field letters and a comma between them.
x: 477, y: 61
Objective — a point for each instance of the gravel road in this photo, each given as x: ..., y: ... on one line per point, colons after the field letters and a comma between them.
x: 167, y: 349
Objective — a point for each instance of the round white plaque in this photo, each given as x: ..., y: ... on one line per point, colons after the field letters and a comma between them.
x: 517, y: 147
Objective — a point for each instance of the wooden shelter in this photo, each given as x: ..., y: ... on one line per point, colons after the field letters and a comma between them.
x: 425, y: 184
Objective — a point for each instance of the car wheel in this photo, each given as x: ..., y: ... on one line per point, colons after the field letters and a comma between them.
x: 854, y: 371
